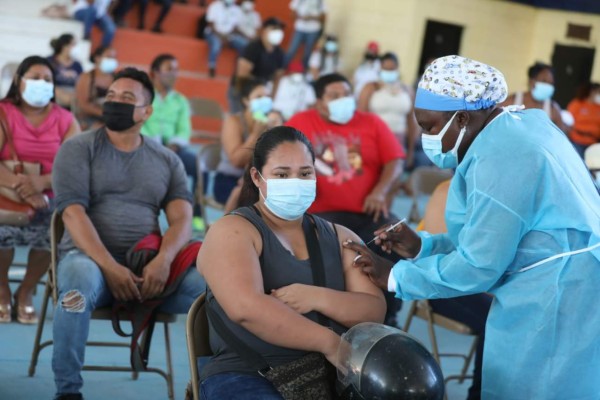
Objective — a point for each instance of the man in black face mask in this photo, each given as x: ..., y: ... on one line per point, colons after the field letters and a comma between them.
x: 170, y: 122
x: 110, y: 185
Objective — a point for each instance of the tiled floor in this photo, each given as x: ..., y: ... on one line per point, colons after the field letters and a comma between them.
x: 16, y: 343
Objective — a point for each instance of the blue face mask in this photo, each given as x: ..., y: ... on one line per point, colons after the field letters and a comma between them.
x: 388, y: 76
x: 262, y: 105
x: 432, y: 146
x: 342, y: 110
x: 331, y: 46
x: 289, y: 198
x: 38, y: 92
x: 108, y: 65
x: 542, y: 91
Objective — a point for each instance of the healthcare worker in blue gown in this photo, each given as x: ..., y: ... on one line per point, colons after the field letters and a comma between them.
x: 523, y: 217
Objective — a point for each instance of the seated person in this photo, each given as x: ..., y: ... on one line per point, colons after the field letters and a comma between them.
x: 66, y: 68
x: 37, y: 127
x: 250, y: 21
x: 223, y: 18
x: 294, y: 92
x: 110, y: 186
x: 170, y: 123
x: 358, y: 162
x: 92, y: 86
x: 325, y: 58
x: 240, y: 132
x: 262, y: 288
x: 539, y: 94
x: 470, y: 310
x: 94, y: 12
x: 585, y: 108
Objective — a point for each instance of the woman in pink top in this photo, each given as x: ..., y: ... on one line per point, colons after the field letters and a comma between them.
x: 38, y: 126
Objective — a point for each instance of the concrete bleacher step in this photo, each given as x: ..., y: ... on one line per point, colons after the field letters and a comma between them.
x: 140, y: 47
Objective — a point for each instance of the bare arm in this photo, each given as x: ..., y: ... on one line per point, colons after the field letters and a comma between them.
x: 244, y: 68
x: 362, y: 301
x: 365, y: 96
x: 235, y: 278
x: 557, y: 117
x: 82, y: 97
x: 238, y: 150
x: 390, y: 173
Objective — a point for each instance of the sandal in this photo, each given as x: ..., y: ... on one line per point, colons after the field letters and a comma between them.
x: 24, y: 314
x: 5, y: 313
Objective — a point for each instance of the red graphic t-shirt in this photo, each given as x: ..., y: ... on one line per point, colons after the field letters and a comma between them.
x: 349, y: 158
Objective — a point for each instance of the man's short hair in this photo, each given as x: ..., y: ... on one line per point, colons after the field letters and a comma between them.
x: 139, y: 76
x: 159, y: 60
x: 326, y: 80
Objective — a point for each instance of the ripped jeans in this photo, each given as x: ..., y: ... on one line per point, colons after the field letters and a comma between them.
x: 81, y: 289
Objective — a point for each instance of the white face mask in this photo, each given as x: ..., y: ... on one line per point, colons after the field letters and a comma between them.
x: 297, y: 77
x: 74, y: 52
x: 597, y: 98
x: 38, y: 92
x: 108, y: 65
x: 275, y: 37
x: 248, y: 6
x: 289, y: 198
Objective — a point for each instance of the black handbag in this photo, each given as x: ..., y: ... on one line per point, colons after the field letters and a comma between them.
x: 309, y: 377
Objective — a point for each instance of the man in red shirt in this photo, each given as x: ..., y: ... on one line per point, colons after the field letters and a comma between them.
x: 357, y: 160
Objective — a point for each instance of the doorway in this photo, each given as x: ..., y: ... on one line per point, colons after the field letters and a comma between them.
x: 572, y: 68
x: 441, y: 39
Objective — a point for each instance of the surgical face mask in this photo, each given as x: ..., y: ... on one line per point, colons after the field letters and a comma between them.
x: 248, y: 6
x: 118, y: 116
x: 331, y: 46
x: 387, y: 76
x: 74, y: 52
x: 108, y: 65
x: 38, y: 92
x: 275, y: 37
x: 289, y: 198
x: 229, y: 2
x: 597, y: 98
x: 371, y: 57
x: 297, y: 77
x: 262, y: 105
x: 342, y: 110
x: 542, y: 91
x: 432, y: 146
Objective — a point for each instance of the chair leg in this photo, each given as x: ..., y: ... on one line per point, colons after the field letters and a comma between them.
x: 38, y: 335
x: 468, y: 358
x: 411, y: 314
x: 169, y: 363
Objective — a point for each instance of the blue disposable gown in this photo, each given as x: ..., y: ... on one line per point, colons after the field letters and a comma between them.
x: 521, y: 194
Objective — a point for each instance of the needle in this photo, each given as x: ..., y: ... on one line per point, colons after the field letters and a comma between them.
x: 391, y: 228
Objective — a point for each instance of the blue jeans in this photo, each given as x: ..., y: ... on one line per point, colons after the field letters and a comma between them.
x: 89, y: 19
x: 308, y: 39
x: 215, y: 44
x: 235, y: 386
x: 82, y: 286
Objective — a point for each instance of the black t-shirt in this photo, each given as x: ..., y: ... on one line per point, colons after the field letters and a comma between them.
x: 265, y: 63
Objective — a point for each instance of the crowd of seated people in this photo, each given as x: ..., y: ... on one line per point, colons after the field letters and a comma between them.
x: 290, y: 116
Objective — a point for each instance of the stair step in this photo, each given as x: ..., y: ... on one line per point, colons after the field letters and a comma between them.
x: 140, y: 47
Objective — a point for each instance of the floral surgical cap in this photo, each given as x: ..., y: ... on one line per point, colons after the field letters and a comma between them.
x: 455, y: 83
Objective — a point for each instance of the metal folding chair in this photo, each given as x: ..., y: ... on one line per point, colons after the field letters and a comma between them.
x: 104, y: 313
x: 208, y: 161
x: 197, y: 340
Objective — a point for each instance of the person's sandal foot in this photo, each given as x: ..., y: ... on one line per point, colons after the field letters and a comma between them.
x: 25, y: 314
x: 5, y: 313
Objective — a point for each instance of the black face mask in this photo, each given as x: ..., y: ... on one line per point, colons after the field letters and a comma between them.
x: 118, y: 116
x: 370, y: 57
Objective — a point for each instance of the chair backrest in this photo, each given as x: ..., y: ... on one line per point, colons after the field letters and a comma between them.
x: 197, y: 339
x: 57, y: 229
x: 209, y: 157
x: 424, y: 180
x: 425, y: 311
x: 206, y: 108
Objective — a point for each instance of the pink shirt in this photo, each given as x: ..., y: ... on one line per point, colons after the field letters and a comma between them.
x: 36, y: 144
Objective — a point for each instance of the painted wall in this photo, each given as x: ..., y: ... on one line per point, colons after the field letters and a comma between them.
x: 507, y: 35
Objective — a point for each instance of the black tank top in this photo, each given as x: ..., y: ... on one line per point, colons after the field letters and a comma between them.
x: 279, y: 268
